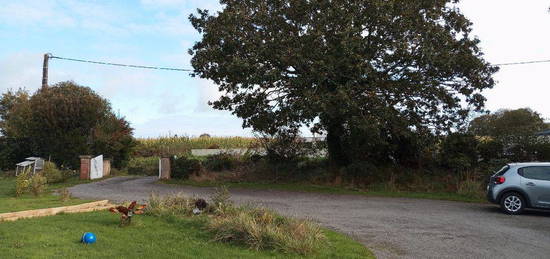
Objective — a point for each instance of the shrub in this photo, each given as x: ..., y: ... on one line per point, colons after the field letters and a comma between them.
x: 220, y: 162
x: 143, y: 166
x: 183, y: 167
x: 22, y: 182
x: 459, y: 151
x: 52, y: 174
x: 38, y: 184
x: 285, y: 145
x: 360, y: 169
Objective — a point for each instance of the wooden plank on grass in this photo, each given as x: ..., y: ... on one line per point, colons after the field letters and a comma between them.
x: 86, y: 207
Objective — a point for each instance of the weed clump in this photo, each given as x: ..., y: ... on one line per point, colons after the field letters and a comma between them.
x: 260, y: 228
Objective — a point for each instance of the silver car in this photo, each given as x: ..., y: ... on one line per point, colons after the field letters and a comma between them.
x: 519, y: 186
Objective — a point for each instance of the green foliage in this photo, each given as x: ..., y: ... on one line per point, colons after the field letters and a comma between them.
x: 285, y: 145
x: 514, y: 133
x: 508, y: 123
x: 22, y: 182
x: 220, y: 162
x: 459, y: 151
x: 361, y: 169
x: 343, y: 67
x: 183, y: 167
x: 52, y: 173
x: 143, y: 166
x: 64, y: 121
x: 38, y: 184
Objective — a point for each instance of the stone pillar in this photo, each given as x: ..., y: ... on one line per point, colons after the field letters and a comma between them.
x: 85, y: 167
x: 164, y: 168
x: 106, y: 167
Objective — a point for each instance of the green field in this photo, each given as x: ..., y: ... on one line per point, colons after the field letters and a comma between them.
x: 10, y: 203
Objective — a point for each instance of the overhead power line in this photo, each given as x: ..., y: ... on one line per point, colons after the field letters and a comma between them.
x: 523, y: 63
x: 123, y: 65
x: 191, y: 70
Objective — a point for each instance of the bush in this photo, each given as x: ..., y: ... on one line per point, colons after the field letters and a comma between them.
x: 459, y: 151
x: 22, y: 182
x: 52, y: 174
x: 143, y: 166
x: 183, y: 167
x: 220, y: 162
x: 361, y: 169
x: 285, y: 145
x: 38, y: 184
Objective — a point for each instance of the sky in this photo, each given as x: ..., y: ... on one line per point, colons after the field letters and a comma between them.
x: 158, y: 33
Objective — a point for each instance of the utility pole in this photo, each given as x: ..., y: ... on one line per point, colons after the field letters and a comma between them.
x: 45, y: 71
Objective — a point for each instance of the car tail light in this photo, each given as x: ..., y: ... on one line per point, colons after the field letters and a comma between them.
x: 500, y: 179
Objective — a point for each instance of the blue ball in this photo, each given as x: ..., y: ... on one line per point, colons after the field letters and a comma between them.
x: 88, y: 238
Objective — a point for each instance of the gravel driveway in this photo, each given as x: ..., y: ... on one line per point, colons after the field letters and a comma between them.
x: 391, y: 227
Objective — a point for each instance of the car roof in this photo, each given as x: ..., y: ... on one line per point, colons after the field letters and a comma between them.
x: 531, y: 164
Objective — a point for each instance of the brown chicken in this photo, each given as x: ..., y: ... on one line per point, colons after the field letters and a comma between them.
x: 126, y: 213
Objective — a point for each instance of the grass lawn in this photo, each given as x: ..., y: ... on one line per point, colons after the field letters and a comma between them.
x: 148, y: 237
x: 304, y: 187
x: 10, y: 203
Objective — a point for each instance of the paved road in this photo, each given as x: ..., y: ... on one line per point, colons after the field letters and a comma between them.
x: 391, y: 227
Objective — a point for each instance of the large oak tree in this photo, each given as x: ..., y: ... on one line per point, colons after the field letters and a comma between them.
x: 343, y: 67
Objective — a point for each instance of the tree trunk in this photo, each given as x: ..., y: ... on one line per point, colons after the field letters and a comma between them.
x: 336, y: 150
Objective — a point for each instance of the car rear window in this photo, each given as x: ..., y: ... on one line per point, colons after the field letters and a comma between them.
x: 535, y: 172
x: 502, y: 171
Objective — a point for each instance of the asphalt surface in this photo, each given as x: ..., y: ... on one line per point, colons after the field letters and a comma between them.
x: 390, y: 227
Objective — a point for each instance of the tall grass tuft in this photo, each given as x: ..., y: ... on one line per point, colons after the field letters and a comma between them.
x: 171, y: 205
x: 260, y: 228
x: 256, y: 228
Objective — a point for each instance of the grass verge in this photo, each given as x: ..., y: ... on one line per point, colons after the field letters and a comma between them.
x: 148, y: 236
x: 305, y: 187
x: 10, y: 203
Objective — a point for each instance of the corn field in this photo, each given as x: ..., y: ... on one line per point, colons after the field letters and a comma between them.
x: 180, y: 145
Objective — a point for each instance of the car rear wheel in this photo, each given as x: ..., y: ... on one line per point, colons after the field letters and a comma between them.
x: 512, y: 203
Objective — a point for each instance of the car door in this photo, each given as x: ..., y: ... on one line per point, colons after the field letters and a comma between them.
x: 536, y: 182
